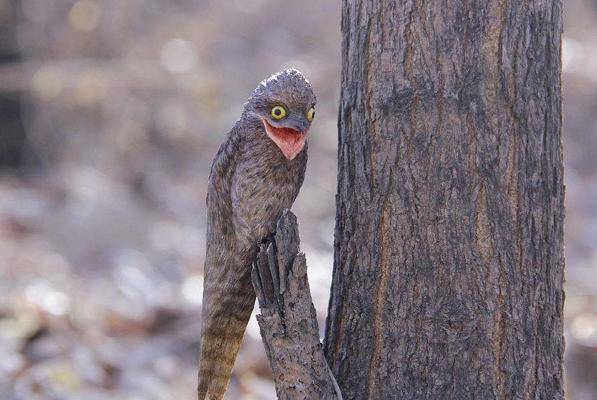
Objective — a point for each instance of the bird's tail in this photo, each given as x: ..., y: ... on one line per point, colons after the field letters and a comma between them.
x: 226, y: 311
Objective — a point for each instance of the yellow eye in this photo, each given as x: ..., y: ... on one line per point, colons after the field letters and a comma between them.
x: 311, y: 114
x: 278, y: 112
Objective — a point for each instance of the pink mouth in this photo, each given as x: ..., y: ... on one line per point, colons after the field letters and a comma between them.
x: 290, y: 141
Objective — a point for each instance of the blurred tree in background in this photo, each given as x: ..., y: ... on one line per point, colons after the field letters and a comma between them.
x: 12, y: 131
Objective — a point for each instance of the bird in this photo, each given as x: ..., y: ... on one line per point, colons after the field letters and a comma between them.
x: 256, y: 174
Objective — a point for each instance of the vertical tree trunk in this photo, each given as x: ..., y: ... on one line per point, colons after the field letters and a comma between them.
x: 449, y: 239
x: 12, y: 131
x: 287, y: 322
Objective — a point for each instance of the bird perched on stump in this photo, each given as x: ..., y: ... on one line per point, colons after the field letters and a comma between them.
x: 256, y: 174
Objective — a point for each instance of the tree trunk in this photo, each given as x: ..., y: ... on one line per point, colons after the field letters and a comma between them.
x: 12, y: 131
x: 287, y: 322
x: 449, y: 239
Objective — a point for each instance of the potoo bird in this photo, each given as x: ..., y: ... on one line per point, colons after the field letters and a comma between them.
x: 256, y: 174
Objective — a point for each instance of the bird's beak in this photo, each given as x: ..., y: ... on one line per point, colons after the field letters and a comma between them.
x: 290, y: 141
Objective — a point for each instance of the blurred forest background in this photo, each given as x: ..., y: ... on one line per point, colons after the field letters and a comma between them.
x: 110, y: 113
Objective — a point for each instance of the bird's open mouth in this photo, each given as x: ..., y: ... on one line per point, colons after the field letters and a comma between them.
x: 290, y: 141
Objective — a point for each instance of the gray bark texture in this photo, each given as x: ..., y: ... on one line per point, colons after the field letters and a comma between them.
x: 287, y: 322
x: 449, y: 258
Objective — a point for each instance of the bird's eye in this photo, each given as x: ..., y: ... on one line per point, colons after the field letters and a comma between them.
x: 278, y: 112
x: 311, y: 114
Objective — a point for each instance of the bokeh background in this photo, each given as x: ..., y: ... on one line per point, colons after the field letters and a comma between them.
x: 110, y: 113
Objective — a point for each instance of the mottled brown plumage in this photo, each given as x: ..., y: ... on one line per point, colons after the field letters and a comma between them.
x: 256, y: 174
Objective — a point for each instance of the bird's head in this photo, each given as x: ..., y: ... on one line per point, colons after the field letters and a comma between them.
x: 285, y: 103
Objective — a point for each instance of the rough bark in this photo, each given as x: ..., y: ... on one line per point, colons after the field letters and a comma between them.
x: 288, y: 323
x: 449, y: 230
